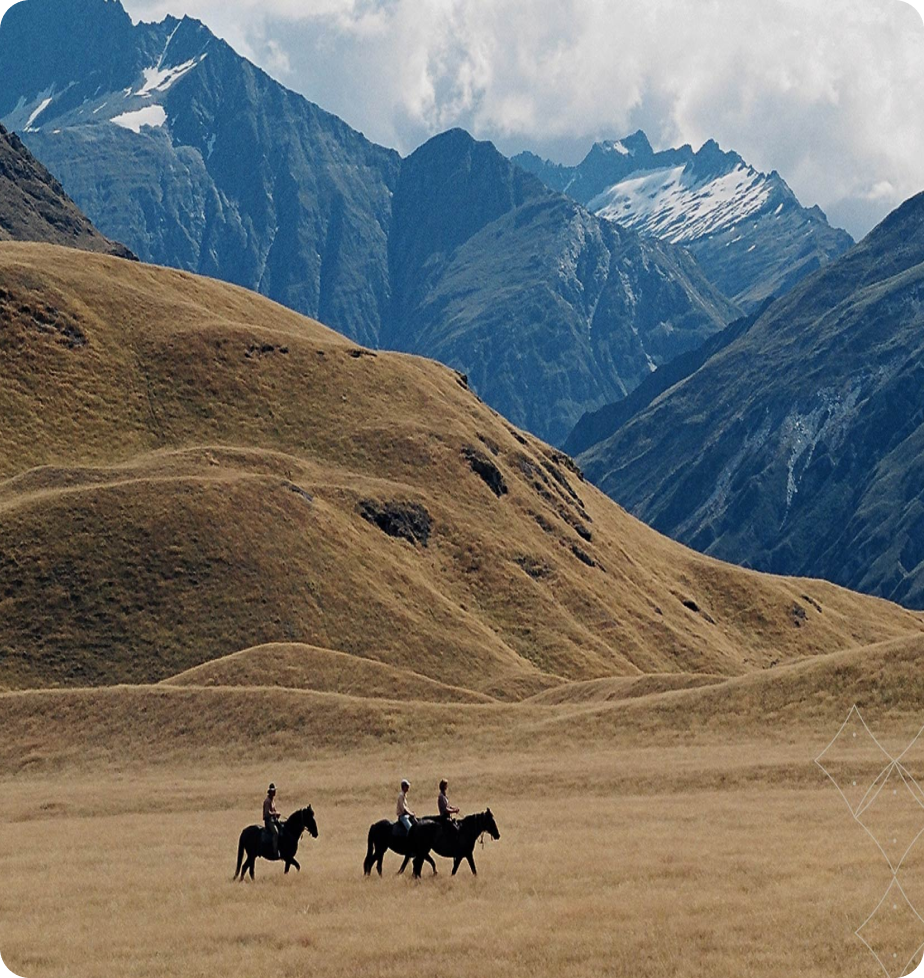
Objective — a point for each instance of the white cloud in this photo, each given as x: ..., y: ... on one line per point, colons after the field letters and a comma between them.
x: 829, y: 92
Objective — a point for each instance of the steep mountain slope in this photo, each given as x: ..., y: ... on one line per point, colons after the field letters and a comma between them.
x: 810, y: 461
x: 174, y: 144
x: 747, y: 229
x: 543, y: 306
x: 597, y: 426
x: 190, y: 470
x: 34, y: 206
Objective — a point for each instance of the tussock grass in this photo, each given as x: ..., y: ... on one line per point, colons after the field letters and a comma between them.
x: 701, y: 863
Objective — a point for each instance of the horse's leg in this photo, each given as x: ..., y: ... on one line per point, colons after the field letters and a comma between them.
x: 380, y: 856
x: 455, y: 864
x: 418, y: 865
x: 288, y: 863
x: 407, y: 859
x: 429, y: 859
x: 294, y: 862
x: 253, y: 862
x: 471, y: 861
x: 369, y: 861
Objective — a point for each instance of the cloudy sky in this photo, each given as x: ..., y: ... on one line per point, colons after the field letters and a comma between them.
x: 828, y: 92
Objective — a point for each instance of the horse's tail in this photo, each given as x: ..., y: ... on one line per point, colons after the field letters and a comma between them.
x: 370, y: 853
x: 240, y: 855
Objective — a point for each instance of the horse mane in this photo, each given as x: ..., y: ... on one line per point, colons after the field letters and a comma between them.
x: 299, y: 813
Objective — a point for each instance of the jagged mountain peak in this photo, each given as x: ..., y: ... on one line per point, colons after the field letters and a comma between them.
x: 746, y: 228
x: 634, y: 146
x: 200, y: 160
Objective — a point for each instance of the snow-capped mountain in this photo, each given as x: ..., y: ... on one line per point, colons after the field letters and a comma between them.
x: 747, y: 229
x: 176, y: 145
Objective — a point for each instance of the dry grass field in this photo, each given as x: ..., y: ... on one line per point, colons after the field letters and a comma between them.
x: 709, y: 860
x: 234, y: 547
x: 686, y: 832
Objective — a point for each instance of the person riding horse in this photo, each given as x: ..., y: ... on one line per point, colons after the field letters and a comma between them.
x: 442, y: 803
x: 406, y: 817
x: 271, y: 819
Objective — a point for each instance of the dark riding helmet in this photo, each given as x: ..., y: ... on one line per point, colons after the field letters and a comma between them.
x: 444, y: 784
x: 272, y: 789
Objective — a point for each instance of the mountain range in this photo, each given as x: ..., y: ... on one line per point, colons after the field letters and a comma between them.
x: 795, y: 444
x: 774, y: 439
x: 747, y: 229
x: 183, y: 150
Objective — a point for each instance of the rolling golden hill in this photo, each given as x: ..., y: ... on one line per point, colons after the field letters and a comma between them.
x: 236, y: 547
x: 189, y: 470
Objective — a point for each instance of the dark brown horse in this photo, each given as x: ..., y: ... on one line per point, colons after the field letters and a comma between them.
x: 456, y: 840
x: 384, y: 835
x: 255, y: 843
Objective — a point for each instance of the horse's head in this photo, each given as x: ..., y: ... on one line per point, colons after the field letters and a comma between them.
x: 309, y: 822
x: 490, y: 826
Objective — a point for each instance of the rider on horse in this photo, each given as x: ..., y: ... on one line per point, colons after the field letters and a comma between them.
x: 446, y: 810
x: 405, y: 815
x: 271, y: 819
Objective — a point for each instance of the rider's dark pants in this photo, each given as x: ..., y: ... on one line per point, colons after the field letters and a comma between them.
x: 272, y: 827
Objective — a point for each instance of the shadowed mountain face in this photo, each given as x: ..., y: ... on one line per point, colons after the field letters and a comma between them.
x: 34, y: 206
x: 542, y: 305
x: 748, y: 231
x: 799, y: 447
x: 189, y: 470
x: 176, y: 145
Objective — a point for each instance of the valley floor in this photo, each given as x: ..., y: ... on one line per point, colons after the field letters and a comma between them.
x: 708, y: 859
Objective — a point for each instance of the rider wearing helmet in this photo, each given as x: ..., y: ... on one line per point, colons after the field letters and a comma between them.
x: 405, y: 815
x: 271, y: 819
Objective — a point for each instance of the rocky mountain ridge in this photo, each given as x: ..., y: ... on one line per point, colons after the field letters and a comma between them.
x: 747, y: 229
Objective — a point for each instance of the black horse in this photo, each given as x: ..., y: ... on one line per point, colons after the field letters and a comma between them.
x: 384, y: 835
x: 456, y: 841
x: 255, y: 841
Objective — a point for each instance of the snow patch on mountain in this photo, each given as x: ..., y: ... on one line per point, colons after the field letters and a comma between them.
x: 37, y: 112
x: 153, y: 116
x: 676, y: 205
x: 158, y: 79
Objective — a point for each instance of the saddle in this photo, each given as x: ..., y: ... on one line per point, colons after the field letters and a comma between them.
x: 397, y: 829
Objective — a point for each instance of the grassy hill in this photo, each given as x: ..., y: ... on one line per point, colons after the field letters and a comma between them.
x: 189, y: 470
x: 245, y: 549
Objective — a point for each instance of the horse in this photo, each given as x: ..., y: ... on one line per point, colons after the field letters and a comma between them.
x: 455, y: 841
x: 253, y: 840
x: 382, y: 837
